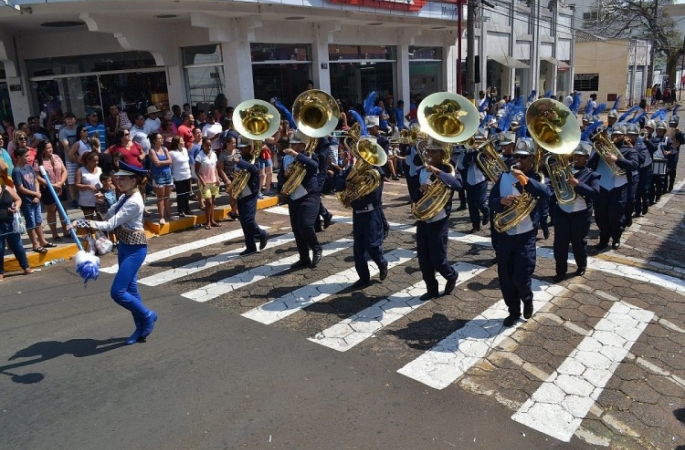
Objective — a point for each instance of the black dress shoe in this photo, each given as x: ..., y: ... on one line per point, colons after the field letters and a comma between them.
x: 262, y: 241
x: 247, y: 252
x: 645, y: 210
x: 383, y: 274
x: 528, y: 309
x: 429, y: 296
x: 545, y: 232
x: 316, y: 260
x: 637, y: 215
x: 580, y: 271
x: 486, y: 219
x: 559, y: 277
x: 327, y: 221
x: 451, y: 283
x: 359, y: 284
x: 300, y: 264
x: 461, y: 207
x: 616, y: 245
x: 510, y: 320
x: 601, y: 245
x: 628, y: 222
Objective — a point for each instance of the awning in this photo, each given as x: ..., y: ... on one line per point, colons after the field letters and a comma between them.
x: 556, y: 62
x: 510, y: 61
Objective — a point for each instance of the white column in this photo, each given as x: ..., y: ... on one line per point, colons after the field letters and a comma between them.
x: 403, y: 79
x: 237, y: 71
x: 321, y: 70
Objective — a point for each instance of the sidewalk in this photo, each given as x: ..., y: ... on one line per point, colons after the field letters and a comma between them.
x: 66, y: 249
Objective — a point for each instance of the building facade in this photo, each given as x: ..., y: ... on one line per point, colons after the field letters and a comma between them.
x: 81, y: 56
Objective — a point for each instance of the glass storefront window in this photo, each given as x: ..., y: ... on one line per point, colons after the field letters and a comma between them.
x: 352, y: 82
x: 89, y: 63
x: 280, y: 70
x: 425, y: 70
x: 337, y: 52
x: 204, y: 73
x: 425, y: 53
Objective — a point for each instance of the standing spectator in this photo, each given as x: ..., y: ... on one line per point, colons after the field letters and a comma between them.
x: 26, y: 184
x: 131, y: 153
x: 185, y: 129
x: 176, y: 117
x: 208, y: 179
x: 5, y: 156
x: 213, y: 130
x: 161, y: 175
x: 139, y: 133
x: 180, y: 170
x: 106, y: 160
x: 152, y: 123
x: 194, y: 150
x: 21, y: 140
x: 226, y: 168
x: 9, y: 128
x: 10, y: 204
x: 399, y: 115
x: 265, y: 171
x: 117, y: 120
x: 68, y: 135
x: 97, y: 128
x: 57, y: 176
x: 88, y: 183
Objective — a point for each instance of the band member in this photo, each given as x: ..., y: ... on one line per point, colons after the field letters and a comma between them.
x: 126, y: 218
x: 325, y: 159
x: 247, y: 203
x: 632, y: 133
x: 303, y: 205
x: 658, y: 144
x: 612, y: 117
x: 643, y: 149
x: 431, y: 235
x: 476, y: 187
x: 371, y: 123
x: 367, y: 229
x: 516, y: 249
x: 572, y: 220
x: 611, y: 203
x: 672, y: 153
x: 506, y: 143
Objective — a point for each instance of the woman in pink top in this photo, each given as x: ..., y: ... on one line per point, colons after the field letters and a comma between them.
x: 57, y: 174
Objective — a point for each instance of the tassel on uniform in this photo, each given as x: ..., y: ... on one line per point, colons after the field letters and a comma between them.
x: 87, y: 266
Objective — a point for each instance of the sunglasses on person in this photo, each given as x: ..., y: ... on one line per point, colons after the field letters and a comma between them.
x: 22, y: 138
x: 521, y: 156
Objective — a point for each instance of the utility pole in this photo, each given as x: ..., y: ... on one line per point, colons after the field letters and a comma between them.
x: 650, y: 70
x: 471, y: 49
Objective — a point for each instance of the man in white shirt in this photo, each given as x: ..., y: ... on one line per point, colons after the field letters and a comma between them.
x: 139, y: 133
x: 152, y: 123
x: 213, y: 130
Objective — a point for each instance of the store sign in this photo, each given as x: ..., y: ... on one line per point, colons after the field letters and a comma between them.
x: 396, y: 5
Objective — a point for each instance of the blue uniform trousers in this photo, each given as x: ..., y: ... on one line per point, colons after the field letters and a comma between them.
x: 431, y: 246
x: 642, y: 197
x: 657, y: 188
x: 476, y: 197
x: 124, y: 290
x: 609, y: 211
x: 633, y: 185
x: 367, y: 229
x: 571, y: 228
x: 248, y: 209
x: 515, y: 266
x: 303, y: 213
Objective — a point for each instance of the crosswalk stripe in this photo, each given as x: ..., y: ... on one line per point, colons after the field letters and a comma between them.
x: 177, y: 250
x: 207, y: 263
x: 561, y: 403
x: 214, y: 290
x: 293, y: 302
x: 453, y: 356
x: 282, y: 210
x: 361, y: 326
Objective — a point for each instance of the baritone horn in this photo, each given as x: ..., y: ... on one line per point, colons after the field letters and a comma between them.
x: 255, y: 120
x: 362, y: 178
x: 605, y: 147
x: 316, y: 114
x: 448, y: 117
x: 553, y: 127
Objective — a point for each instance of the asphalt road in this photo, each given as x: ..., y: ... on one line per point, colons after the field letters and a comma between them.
x: 227, y: 368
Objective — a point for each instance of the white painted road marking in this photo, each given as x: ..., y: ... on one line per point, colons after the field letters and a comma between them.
x: 361, y: 326
x: 558, y: 407
x: 293, y: 302
x: 216, y: 289
x: 207, y: 263
x: 453, y: 356
x: 282, y: 210
x: 177, y: 250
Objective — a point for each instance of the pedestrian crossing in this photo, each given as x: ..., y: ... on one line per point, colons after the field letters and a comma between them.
x: 451, y: 358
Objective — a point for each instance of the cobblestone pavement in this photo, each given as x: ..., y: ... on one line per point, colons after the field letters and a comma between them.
x: 600, y: 363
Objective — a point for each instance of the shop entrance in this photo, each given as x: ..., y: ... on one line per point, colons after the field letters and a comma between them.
x: 351, y: 82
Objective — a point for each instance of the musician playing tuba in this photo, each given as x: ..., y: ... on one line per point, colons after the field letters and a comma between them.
x: 610, y: 206
x: 515, y: 200
x: 431, y: 234
x: 572, y: 220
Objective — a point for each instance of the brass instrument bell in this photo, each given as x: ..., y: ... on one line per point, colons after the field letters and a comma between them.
x: 448, y: 117
x: 256, y: 119
x: 316, y: 113
x: 553, y: 126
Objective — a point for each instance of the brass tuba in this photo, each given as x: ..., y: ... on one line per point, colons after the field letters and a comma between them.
x: 489, y: 161
x: 255, y: 120
x: 362, y: 179
x: 316, y: 114
x: 554, y: 128
x: 447, y: 118
x: 603, y: 145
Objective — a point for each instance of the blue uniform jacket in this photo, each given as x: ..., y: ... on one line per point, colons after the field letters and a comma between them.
x: 629, y: 161
x: 310, y: 182
x: 253, y: 182
x: 672, y: 158
x: 534, y: 187
x: 451, y: 181
x: 373, y: 198
x: 588, y: 185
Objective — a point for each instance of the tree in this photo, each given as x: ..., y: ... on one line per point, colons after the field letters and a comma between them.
x: 636, y: 19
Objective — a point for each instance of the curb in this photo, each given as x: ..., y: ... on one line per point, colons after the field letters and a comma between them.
x: 64, y: 252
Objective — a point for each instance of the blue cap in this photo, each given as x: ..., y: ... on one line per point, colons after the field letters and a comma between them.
x: 128, y: 170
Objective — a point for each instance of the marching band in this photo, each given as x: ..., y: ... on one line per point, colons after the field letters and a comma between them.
x: 537, y: 156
